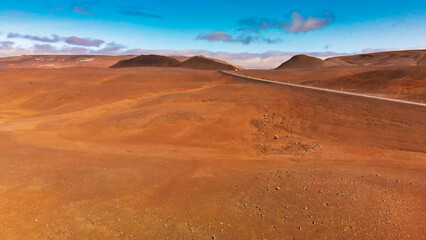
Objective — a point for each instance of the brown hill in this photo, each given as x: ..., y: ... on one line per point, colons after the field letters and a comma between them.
x: 181, y: 58
x: 391, y: 58
x: 202, y: 63
x: 301, y: 61
x: 147, y: 61
x: 60, y: 61
x: 394, y: 58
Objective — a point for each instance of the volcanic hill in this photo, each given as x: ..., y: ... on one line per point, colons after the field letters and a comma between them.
x: 203, y: 63
x: 147, y: 61
x: 301, y: 61
x: 393, y: 58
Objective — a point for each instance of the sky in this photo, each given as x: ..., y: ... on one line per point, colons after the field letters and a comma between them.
x: 252, y: 33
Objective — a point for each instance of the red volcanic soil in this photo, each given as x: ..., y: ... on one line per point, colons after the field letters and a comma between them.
x: 202, y: 63
x: 147, y: 61
x: 60, y: 61
x: 174, y: 153
x: 301, y: 61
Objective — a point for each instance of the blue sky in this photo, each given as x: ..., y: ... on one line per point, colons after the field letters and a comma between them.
x: 338, y: 26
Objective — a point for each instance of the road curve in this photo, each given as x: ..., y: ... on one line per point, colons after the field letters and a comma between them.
x: 323, y: 89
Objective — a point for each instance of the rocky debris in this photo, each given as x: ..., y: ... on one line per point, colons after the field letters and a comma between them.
x: 332, y: 195
x: 310, y: 149
x: 290, y: 148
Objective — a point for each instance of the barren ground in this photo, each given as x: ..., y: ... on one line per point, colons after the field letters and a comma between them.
x: 148, y: 153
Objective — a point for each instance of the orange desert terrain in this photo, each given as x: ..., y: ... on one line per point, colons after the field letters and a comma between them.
x: 179, y: 153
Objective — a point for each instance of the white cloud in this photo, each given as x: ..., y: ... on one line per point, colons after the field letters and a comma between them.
x: 300, y: 23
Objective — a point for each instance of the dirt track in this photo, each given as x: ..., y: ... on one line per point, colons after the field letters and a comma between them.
x: 181, y: 154
x: 324, y: 89
x: 397, y: 82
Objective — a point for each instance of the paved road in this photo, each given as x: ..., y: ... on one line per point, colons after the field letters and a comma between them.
x: 323, y: 89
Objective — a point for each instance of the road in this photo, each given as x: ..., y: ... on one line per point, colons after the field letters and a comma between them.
x: 323, y: 89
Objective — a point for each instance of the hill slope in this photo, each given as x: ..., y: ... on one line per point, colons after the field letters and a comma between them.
x: 394, y: 58
x: 202, y: 63
x: 301, y: 61
x: 147, y: 61
x: 391, y: 58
